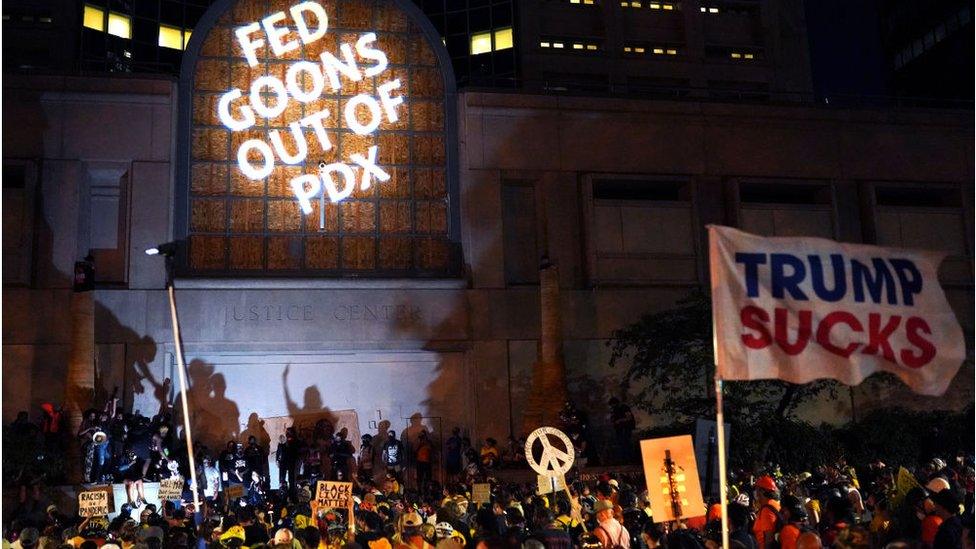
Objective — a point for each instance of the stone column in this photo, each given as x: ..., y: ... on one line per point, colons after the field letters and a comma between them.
x: 80, y: 382
x: 548, y: 391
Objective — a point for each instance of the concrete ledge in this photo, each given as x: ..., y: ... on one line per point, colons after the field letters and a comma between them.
x: 319, y: 284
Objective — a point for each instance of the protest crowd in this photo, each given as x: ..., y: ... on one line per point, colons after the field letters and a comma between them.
x: 397, y: 503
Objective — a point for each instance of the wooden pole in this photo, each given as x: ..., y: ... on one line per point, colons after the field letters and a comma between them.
x: 186, y: 409
x: 722, y: 478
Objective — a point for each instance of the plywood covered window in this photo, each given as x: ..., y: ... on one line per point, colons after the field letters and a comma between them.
x: 641, y: 230
x: 400, y: 227
x: 786, y: 208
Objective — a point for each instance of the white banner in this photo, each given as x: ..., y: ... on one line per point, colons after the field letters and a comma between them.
x: 800, y: 309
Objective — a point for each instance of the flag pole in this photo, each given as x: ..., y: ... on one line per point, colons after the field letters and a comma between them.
x: 186, y: 410
x: 722, y: 479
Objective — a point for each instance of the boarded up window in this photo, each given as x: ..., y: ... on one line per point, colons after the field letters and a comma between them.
x: 642, y: 231
x: 926, y: 218
x: 786, y: 209
x: 399, y: 227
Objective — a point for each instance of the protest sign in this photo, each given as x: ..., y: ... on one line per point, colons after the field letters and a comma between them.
x: 481, y: 493
x: 672, y: 478
x: 545, y: 484
x: 93, y: 503
x: 802, y: 308
x: 171, y: 489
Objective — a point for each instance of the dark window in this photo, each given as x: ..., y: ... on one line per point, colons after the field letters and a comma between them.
x: 14, y: 176
x: 628, y: 189
x: 918, y: 197
x: 779, y: 193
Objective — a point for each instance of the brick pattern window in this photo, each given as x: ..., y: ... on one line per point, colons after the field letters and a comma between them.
x: 395, y: 228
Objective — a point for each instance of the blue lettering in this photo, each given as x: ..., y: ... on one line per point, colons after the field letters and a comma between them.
x: 817, y: 277
x: 909, y: 278
x: 862, y: 277
x: 752, y: 263
x: 781, y: 281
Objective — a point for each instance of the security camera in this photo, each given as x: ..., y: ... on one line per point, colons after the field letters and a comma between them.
x: 322, y: 164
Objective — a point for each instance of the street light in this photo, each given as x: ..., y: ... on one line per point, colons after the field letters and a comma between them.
x: 168, y: 251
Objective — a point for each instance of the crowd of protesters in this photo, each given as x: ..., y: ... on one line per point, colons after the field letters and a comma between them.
x: 916, y: 506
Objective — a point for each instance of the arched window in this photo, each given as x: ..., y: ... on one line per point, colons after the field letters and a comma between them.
x: 253, y: 221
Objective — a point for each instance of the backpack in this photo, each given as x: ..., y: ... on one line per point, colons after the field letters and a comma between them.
x: 613, y: 544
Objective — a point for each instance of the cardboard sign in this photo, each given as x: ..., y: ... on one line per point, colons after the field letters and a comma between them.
x: 672, y: 478
x: 234, y: 491
x: 333, y: 495
x: 481, y: 493
x: 706, y: 453
x: 93, y: 503
x: 545, y: 484
x: 171, y: 489
x: 552, y: 460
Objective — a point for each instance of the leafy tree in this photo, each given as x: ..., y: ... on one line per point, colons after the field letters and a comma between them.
x: 670, y: 362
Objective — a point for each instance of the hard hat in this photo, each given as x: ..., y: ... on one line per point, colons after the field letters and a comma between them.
x: 766, y: 482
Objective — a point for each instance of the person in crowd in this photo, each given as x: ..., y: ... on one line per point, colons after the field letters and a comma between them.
x: 342, y: 452
x: 945, y: 505
x: 624, y: 423
x: 423, y: 459
x: 454, y: 455
x: 794, y: 521
x: 608, y: 530
x: 768, y: 521
x: 256, y: 457
x: 393, y: 451
x: 364, y: 462
x: 489, y: 454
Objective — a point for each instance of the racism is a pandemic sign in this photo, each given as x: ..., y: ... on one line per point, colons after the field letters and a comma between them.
x: 306, y: 81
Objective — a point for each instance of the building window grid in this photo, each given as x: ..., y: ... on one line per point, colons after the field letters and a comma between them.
x: 98, y: 17
x: 639, y: 49
x: 462, y: 66
x: 570, y: 44
x: 645, y: 4
x: 340, y: 233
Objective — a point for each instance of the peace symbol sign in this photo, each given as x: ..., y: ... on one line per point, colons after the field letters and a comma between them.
x: 553, y: 461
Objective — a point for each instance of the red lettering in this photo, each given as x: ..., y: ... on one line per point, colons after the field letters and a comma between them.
x: 781, y: 321
x: 878, y: 336
x: 754, y: 318
x: 828, y: 322
x: 913, y: 326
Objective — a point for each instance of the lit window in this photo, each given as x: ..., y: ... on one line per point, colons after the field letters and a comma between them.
x: 591, y: 47
x: 577, y: 46
x: 44, y: 19
x: 658, y: 51
x: 119, y: 25
x: 557, y: 45
x: 749, y: 56
x: 94, y: 18
x: 170, y: 37
x: 639, y: 50
x: 668, y: 7
x: 671, y: 52
x: 544, y: 44
x: 503, y: 39
x: 628, y: 49
x: 635, y: 4
x: 736, y: 55
x: 712, y: 10
x: 480, y: 43
x: 186, y: 37
x: 625, y: 4
x: 703, y: 9
x: 655, y: 6
x: 588, y: 2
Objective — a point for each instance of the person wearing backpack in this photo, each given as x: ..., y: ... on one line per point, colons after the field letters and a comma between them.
x: 794, y: 517
x: 609, y: 531
x: 768, y: 520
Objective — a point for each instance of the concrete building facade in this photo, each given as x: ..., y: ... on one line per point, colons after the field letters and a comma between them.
x: 615, y: 192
